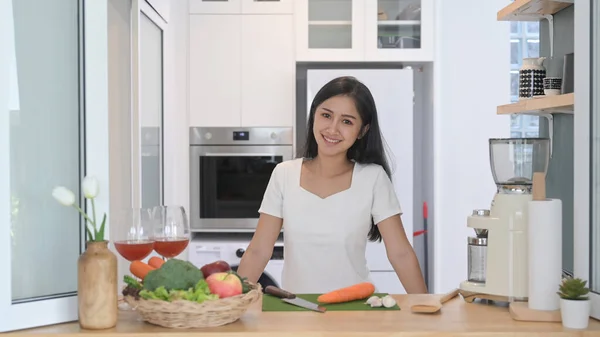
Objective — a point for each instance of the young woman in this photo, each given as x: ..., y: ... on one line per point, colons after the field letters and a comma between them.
x: 333, y: 200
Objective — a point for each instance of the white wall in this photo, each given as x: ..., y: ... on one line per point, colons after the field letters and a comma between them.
x: 471, y: 78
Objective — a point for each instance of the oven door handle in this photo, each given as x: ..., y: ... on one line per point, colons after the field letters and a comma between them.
x: 239, y: 154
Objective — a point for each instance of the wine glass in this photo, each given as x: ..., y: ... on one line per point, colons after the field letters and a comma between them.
x: 171, y: 231
x: 133, y: 233
x: 131, y: 230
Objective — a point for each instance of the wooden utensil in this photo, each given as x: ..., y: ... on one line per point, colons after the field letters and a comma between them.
x: 519, y: 311
x: 433, y: 304
x: 539, y: 186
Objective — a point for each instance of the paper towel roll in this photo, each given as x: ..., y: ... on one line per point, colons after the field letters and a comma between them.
x: 544, y: 253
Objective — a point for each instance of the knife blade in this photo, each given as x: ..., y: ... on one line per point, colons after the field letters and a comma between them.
x: 290, y: 298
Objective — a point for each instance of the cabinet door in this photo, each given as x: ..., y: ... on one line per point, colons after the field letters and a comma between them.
x: 329, y: 30
x: 215, y: 70
x: 268, y: 70
x: 215, y: 6
x: 268, y: 7
x: 399, y: 30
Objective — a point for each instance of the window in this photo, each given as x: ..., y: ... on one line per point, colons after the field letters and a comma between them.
x: 524, y: 42
x: 586, y: 132
x: 45, y: 142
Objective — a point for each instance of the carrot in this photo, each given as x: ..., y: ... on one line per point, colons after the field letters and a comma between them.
x: 140, y: 269
x: 354, y: 292
x: 156, y: 262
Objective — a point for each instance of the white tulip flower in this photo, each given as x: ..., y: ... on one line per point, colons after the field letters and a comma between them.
x: 90, y: 187
x: 63, y: 195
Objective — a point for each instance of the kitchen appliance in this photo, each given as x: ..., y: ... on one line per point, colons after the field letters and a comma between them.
x: 477, y: 252
x: 290, y: 298
x: 513, y: 162
x: 230, y: 247
x: 230, y: 168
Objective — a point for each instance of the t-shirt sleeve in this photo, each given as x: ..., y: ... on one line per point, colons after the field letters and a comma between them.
x: 272, y: 202
x: 385, y: 201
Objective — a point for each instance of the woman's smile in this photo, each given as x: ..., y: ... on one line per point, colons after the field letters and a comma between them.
x: 330, y: 140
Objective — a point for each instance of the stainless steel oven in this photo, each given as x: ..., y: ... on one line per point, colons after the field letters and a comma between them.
x: 229, y: 172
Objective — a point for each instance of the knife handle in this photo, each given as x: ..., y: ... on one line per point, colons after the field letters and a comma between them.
x: 271, y: 290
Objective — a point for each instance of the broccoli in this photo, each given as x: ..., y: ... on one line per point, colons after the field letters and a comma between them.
x: 174, y: 274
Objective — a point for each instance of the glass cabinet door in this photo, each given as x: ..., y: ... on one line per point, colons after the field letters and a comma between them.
x: 330, y: 30
x: 396, y: 27
x: 399, y: 24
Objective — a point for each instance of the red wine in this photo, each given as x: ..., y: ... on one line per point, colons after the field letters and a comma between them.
x: 134, y: 250
x: 170, y: 247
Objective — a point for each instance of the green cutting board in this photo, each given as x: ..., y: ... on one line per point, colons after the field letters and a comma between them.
x: 272, y: 303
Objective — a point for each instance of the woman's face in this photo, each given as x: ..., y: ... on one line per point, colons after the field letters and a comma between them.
x: 337, y: 125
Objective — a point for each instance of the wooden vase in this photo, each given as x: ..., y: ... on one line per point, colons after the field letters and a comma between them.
x: 97, y: 287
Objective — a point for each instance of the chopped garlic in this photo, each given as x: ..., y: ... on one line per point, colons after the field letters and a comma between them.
x: 388, y: 301
x: 376, y: 303
x: 371, y: 300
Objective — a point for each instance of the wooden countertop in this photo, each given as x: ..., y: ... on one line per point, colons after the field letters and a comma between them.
x: 456, y: 318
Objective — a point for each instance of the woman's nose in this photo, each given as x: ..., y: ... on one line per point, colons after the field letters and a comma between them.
x: 333, y: 128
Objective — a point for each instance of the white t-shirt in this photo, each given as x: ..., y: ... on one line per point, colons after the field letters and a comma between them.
x: 325, y: 239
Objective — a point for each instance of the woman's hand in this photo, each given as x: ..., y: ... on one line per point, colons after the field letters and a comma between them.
x: 260, y: 250
x: 401, y: 255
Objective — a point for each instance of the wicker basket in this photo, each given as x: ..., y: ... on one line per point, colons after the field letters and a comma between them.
x: 188, y: 314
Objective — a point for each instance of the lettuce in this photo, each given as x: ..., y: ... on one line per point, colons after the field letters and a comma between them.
x: 199, y: 293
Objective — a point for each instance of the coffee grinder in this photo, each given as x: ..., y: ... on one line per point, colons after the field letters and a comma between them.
x: 497, y: 262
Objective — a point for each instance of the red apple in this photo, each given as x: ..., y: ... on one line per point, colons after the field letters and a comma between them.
x: 224, y: 284
x: 215, y: 267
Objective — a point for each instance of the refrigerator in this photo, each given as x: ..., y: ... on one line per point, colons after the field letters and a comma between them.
x: 392, y: 89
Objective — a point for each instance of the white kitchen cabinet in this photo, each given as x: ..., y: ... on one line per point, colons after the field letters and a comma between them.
x: 329, y: 30
x: 241, y: 7
x: 215, y: 70
x: 242, y: 70
x: 215, y: 6
x: 399, y: 30
x: 364, y: 30
x: 268, y: 7
x: 268, y: 70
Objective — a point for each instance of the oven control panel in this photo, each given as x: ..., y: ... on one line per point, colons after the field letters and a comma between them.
x: 241, y: 135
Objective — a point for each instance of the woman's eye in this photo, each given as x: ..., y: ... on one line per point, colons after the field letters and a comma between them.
x: 326, y: 115
x: 347, y: 121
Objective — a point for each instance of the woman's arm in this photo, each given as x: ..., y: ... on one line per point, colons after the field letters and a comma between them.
x: 259, y: 251
x: 401, y: 255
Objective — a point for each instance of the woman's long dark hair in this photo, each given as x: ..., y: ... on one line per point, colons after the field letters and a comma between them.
x: 368, y: 149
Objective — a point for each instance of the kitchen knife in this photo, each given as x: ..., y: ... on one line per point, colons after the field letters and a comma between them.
x: 290, y: 298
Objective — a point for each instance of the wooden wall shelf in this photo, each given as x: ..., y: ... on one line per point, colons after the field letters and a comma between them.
x: 531, y: 10
x: 548, y: 104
